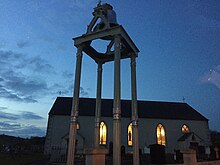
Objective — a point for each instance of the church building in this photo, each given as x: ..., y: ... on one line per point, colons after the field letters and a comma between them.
x: 175, y: 125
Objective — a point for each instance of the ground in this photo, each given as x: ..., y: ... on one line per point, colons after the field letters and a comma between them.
x: 23, y: 159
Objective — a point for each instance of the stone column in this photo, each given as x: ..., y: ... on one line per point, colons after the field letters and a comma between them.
x: 75, y: 108
x: 117, y: 105
x: 98, y: 105
x: 135, y: 141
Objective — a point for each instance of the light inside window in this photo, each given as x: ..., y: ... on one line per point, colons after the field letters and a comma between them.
x: 103, y: 133
x: 130, y: 134
x: 161, y: 135
x: 185, y: 129
x: 77, y: 126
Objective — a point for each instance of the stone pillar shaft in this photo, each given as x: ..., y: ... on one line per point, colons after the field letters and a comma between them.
x: 98, y: 105
x: 117, y: 105
x: 75, y: 108
x: 135, y: 141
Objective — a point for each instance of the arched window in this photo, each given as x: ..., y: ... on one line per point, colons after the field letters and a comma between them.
x: 77, y: 126
x: 130, y: 134
x: 103, y: 133
x: 161, y: 135
x: 185, y: 128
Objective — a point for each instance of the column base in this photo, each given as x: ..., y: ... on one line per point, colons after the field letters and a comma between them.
x: 95, y: 156
x: 189, y: 157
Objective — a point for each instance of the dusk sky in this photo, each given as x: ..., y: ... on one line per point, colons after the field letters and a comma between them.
x: 179, y: 43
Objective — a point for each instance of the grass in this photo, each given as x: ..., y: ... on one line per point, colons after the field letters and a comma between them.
x: 19, y: 159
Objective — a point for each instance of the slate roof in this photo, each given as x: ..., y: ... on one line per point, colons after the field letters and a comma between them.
x: 185, y: 136
x: 146, y: 109
x: 188, y: 135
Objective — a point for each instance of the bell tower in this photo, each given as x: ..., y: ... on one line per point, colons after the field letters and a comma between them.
x: 104, y: 26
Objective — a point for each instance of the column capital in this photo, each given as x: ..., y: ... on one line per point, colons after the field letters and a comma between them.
x: 133, y: 62
x: 73, y: 119
x: 99, y: 67
x: 117, y: 41
x: 133, y: 59
x: 79, y: 51
x: 116, y: 116
x: 135, y: 123
x: 97, y: 124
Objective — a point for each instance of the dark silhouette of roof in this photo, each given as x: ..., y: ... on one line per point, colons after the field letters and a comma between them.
x: 185, y: 136
x: 188, y: 135
x: 146, y: 109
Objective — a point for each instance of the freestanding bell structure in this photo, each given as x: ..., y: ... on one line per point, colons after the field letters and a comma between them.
x: 104, y: 26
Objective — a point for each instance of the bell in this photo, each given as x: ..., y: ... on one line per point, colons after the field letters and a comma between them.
x: 111, y: 16
x: 106, y: 11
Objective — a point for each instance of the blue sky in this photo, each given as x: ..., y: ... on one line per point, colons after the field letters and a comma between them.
x: 179, y: 44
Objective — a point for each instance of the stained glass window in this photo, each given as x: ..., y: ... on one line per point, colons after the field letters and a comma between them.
x: 130, y: 134
x: 103, y: 133
x: 161, y: 135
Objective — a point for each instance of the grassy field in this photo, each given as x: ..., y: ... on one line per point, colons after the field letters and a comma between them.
x: 20, y: 159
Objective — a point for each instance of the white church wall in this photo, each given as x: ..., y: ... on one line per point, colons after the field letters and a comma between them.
x: 147, y: 131
x: 87, y: 125
x: 60, y: 128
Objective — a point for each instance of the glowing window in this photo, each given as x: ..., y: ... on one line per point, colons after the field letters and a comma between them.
x: 161, y: 139
x: 185, y: 129
x: 130, y: 134
x: 77, y: 126
x: 103, y: 133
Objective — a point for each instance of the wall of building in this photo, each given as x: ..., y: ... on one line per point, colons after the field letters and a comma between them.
x: 58, y: 127
x: 172, y: 129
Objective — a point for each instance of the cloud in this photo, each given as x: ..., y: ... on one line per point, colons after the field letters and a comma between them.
x: 10, y: 56
x: 212, y: 77
x: 9, y: 126
x: 60, y: 89
x: 83, y: 92
x: 21, y: 130
x: 22, y: 115
x: 9, y: 116
x: 21, y: 77
x: 4, y: 93
x: 68, y: 90
x: 28, y: 131
x: 40, y: 65
x: 22, y: 44
x: 30, y: 115
x: 29, y: 99
x: 17, y: 87
x: 67, y: 75
x: 22, y: 84
x: 2, y: 43
x: 11, y: 59
x: 36, y: 64
x: 3, y: 108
